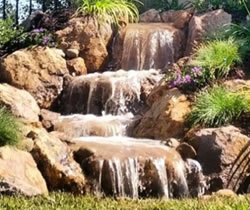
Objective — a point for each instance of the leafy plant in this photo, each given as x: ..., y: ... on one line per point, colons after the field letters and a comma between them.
x: 218, y: 56
x: 9, y: 128
x: 188, y: 78
x: 7, y: 31
x: 111, y: 11
x: 216, y: 107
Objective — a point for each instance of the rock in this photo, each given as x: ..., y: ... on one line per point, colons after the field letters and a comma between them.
x: 77, y: 66
x: 186, y: 151
x: 19, y: 102
x: 146, y: 46
x: 178, y: 18
x: 123, y: 166
x: 113, y: 93
x: 225, y: 193
x: 19, y: 174
x: 204, y: 24
x: 55, y: 161
x: 72, y: 53
x: 38, y: 70
x: 84, y: 35
x: 48, y: 118
x: 224, y: 156
x: 166, y: 117
x: 150, y: 16
x: 238, y: 84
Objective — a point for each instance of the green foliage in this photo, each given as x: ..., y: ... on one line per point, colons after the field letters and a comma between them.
x: 164, y: 5
x: 7, y: 31
x: 111, y: 11
x: 9, y: 128
x: 63, y: 201
x: 216, y: 107
x: 218, y: 56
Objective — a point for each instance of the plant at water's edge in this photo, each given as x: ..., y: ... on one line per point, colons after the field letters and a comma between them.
x: 8, y: 31
x: 219, y: 56
x: 9, y: 128
x: 217, y: 106
x: 111, y: 11
x: 188, y: 78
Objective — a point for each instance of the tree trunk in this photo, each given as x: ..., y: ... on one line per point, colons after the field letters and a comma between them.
x: 44, y: 6
x: 55, y: 5
x: 4, y: 9
x: 30, y: 10
x: 17, y: 11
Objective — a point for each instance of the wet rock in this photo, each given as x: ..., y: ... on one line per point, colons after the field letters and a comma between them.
x: 166, y: 117
x: 19, y: 102
x: 72, y: 53
x: 179, y: 19
x: 55, y: 161
x: 148, y: 46
x: 150, y: 16
x: 19, y: 174
x: 77, y: 66
x: 204, y: 24
x: 38, y: 70
x: 48, y: 118
x: 110, y: 92
x: 224, y: 155
x: 124, y: 166
x: 84, y: 35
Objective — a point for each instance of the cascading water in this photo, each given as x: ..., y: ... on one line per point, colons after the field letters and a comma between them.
x: 101, y: 109
x: 147, y: 46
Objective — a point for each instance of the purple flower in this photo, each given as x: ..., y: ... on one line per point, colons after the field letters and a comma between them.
x: 197, y: 71
x: 187, y: 79
x: 46, y: 40
x: 38, y: 30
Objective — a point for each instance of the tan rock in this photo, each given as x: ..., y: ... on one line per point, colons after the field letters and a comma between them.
x: 178, y: 18
x: 223, y: 153
x: 204, y: 24
x: 38, y: 70
x: 84, y: 35
x: 225, y: 193
x: 19, y: 174
x: 77, y: 66
x: 19, y: 102
x: 72, y: 53
x: 56, y: 163
x: 166, y: 117
x: 150, y: 16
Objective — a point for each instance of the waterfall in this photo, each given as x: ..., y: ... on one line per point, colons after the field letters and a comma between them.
x: 147, y: 46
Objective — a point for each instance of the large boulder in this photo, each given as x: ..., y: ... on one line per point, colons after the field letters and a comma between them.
x: 19, y: 174
x: 38, y: 70
x: 124, y: 166
x: 146, y: 46
x: 166, y: 117
x: 56, y: 163
x: 19, y: 102
x: 178, y: 18
x: 224, y: 155
x: 150, y: 16
x: 204, y: 24
x: 85, y: 35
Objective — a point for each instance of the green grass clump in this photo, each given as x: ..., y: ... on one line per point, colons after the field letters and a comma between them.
x: 63, y: 201
x: 216, y: 107
x: 218, y: 56
x: 9, y: 128
x: 110, y: 11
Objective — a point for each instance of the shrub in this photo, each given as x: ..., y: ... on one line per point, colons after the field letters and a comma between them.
x: 218, y: 56
x: 189, y: 78
x: 111, y: 11
x: 7, y: 31
x: 216, y: 107
x: 165, y: 5
x: 9, y: 128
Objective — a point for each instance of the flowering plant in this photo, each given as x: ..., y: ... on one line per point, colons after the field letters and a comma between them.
x: 189, y: 77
